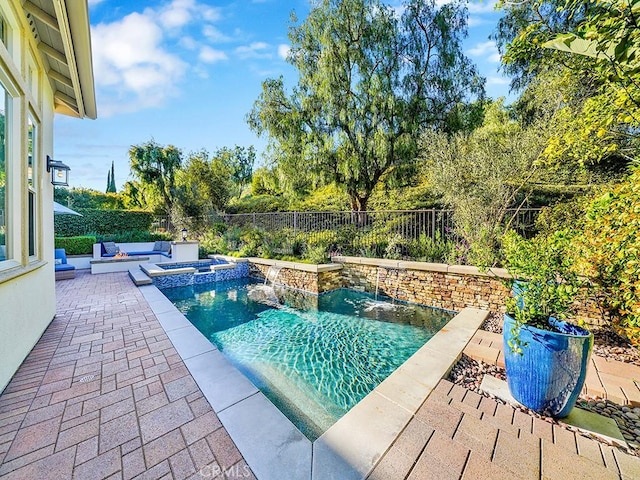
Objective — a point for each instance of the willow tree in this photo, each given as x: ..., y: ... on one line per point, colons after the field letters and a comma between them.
x: 370, y: 79
x: 155, y: 167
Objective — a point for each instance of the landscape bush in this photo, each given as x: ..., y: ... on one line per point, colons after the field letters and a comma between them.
x: 612, y: 247
x: 133, y: 236
x: 101, y: 222
x: 79, y: 245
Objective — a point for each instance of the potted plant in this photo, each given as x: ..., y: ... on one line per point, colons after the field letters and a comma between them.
x: 546, y: 357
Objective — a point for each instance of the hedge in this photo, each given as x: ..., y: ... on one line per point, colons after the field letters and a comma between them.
x: 80, y: 245
x: 101, y: 222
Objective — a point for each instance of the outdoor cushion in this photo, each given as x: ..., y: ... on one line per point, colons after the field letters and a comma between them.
x: 144, y: 252
x: 60, y: 254
x: 157, y: 246
x: 64, y: 267
x: 166, y: 246
x: 110, y: 248
x: 61, y: 264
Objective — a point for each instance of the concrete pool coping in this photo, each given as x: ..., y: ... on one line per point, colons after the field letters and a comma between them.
x: 271, y: 444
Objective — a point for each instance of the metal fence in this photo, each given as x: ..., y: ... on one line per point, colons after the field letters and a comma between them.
x: 410, y: 224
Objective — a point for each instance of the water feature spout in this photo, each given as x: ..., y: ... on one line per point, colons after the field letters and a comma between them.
x: 272, y: 274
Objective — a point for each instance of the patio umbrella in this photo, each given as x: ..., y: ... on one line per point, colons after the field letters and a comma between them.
x: 62, y: 210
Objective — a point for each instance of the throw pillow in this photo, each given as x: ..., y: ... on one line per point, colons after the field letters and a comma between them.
x: 110, y: 248
x: 157, y: 246
x: 58, y: 261
x: 166, y: 246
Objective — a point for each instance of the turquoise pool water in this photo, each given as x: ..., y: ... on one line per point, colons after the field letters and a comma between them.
x: 316, y: 362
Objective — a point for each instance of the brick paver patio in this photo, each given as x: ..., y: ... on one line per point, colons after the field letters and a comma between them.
x: 105, y: 395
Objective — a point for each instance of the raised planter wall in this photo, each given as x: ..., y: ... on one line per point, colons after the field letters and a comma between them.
x: 433, y: 284
x: 310, y: 278
x: 452, y: 287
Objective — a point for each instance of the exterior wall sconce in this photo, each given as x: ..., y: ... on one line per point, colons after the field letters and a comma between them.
x: 184, y: 234
x: 59, y: 172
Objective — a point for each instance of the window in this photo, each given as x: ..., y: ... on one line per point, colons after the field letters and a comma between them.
x: 3, y: 30
x: 32, y: 170
x: 4, y: 103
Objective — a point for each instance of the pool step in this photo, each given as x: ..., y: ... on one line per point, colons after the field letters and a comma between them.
x: 139, y: 277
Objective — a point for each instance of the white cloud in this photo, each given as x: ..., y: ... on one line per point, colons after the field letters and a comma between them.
x: 486, y: 50
x: 210, y: 55
x: 283, y: 51
x: 138, y: 66
x: 93, y: 3
x: 214, y: 35
x: 474, y: 6
x: 475, y: 21
x: 131, y: 66
x: 497, y: 81
x: 254, y: 50
x: 481, y: 6
x: 188, y: 42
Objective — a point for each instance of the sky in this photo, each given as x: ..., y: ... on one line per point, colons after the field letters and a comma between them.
x: 187, y: 72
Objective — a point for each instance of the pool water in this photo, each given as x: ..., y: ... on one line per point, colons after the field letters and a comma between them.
x: 315, y: 363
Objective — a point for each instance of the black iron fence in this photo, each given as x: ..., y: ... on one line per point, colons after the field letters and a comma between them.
x: 409, y: 224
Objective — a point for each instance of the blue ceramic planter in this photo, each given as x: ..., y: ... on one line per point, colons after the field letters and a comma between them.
x: 549, y: 374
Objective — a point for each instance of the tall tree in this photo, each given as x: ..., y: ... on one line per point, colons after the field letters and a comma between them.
x: 480, y: 174
x: 112, y: 187
x: 155, y: 167
x: 111, y: 180
x: 601, y: 113
x: 203, y: 186
x: 240, y: 162
x: 369, y: 81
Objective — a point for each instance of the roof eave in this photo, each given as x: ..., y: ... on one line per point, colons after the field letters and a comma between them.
x: 77, y: 44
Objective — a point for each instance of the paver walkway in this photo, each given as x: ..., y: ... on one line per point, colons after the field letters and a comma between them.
x: 609, y: 379
x: 104, y: 394
x: 458, y: 434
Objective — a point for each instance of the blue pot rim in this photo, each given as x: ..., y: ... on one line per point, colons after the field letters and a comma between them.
x: 570, y: 335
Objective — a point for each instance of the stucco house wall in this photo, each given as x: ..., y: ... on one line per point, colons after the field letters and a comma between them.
x: 45, y: 68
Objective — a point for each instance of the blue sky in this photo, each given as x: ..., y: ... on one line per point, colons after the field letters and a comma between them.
x: 186, y: 72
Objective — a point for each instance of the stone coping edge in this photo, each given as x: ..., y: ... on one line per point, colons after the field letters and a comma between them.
x: 153, y: 270
x: 228, y: 258
x: 130, y: 258
x: 305, y: 267
x: 424, y: 266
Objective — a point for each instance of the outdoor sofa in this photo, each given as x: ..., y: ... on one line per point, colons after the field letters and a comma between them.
x: 157, y: 251
x: 64, y: 270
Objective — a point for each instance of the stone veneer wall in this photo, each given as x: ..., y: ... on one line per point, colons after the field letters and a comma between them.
x: 449, y: 287
x: 451, y: 291
x: 314, y: 282
x: 445, y: 286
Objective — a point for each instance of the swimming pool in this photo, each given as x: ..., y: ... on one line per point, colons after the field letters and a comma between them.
x: 316, y: 363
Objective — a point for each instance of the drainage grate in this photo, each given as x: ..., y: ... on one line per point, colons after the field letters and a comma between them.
x: 87, y: 378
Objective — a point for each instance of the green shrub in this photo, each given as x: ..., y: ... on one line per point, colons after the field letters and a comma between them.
x: 612, y: 245
x: 133, y: 236
x: 396, y: 248
x: 316, y: 255
x: 80, y: 245
x: 427, y: 249
x: 214, y: 243
x: 102, y: 222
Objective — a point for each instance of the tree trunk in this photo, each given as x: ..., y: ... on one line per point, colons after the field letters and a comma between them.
x: 359, y: 202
